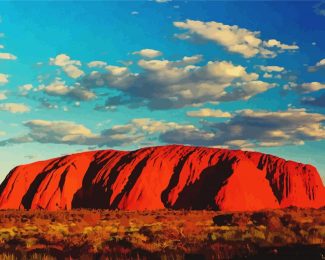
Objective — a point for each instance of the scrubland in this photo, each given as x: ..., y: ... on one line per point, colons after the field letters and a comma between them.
x: 162, y: 234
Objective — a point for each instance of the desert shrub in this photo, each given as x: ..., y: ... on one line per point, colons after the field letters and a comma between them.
x: 146, y: 231
x: 274, y: 224
x: 286, y: 219
x: 259, y: 218
x: 223, y: 220
x: 92, y: 218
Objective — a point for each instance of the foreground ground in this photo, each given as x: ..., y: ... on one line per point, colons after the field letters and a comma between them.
x: 102, y: 234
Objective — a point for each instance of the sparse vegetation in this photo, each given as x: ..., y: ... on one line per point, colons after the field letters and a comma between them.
x: 158, y: 234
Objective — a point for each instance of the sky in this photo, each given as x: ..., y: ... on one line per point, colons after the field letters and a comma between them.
x: 77, y: 76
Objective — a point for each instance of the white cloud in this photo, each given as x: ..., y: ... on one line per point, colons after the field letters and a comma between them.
x: 148, y: 53
x: 59, y: 88
x: 206, y: 112
x: 319, y: 65
x: 116, y: 70
x: 233, y: 38
x: 267, y: 75
x: 14, y: 107
x: 4, y: 78
x: 167, y: 84
x: 248, y: 128
x: 67, y: 132
x: 97, y: 64
x: 7, y: 56
x: 273, y: 43
x: 245, y: 129
x: 305, y: 87
x: 25, y: 89
x: 70, y: 67
x: 151, y: 126
x: 271, y: 68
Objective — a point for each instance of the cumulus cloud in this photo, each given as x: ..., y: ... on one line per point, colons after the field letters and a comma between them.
x: 7, y: 56
x: 305, y: 87
x: 233, y: 38
x: 60, y: 89
x: 318, y: 66
x: 275, y: 43
x: 14, y: 107
x: 206, y: 112
x: 25, y: 89
x: 148, y: 53
x: 271, y: 68
x: 245, y: 129
x: 164, y: 84
x: 70, y: 67
x: 67, y: 132
x: 97, y: 64
x: 4, y: 78
x: 248, y: 128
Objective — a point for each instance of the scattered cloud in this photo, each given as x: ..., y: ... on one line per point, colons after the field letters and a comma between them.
x: 281, y: 46
x: 97, y: 64
x: 70, y: 67
x: 148, y: 53
x: 67, y: 132
x: 233, y: 38
x: 318, y: 66
x: 245, y: 129
x: 248, y: 128
x: 4, y: 78
x: 7, y: 56
x: 267, y: 75
x: 25, y: 89
x: 271, y: 68
x: 165, y: 84
x: 60, y: 89
x: 305, y: 87
x: 14, y: 107
x: 206, y: 112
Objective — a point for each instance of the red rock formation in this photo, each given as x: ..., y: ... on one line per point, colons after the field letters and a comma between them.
x: 172, y: 176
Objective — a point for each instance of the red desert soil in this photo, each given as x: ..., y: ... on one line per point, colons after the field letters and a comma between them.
x: 173, y: 177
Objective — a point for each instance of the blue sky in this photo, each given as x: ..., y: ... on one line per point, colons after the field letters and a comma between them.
x: 76, y: 76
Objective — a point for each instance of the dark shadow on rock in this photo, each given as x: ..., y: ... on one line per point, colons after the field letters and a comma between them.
x: 200, y: 194
x: 131, y: 181
x: 97, y: 195
x: 32, y: 190
x: 174, y: 179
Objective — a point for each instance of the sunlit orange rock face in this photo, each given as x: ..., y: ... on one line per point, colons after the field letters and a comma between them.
x: 174, y: 176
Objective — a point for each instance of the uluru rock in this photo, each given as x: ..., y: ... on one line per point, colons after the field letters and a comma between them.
x: 174, y: 176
